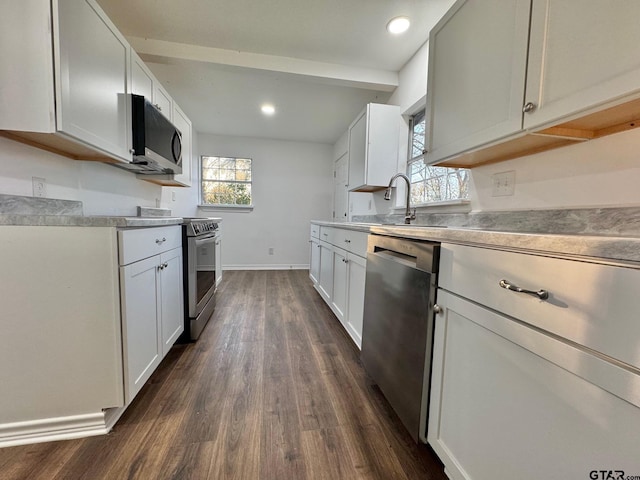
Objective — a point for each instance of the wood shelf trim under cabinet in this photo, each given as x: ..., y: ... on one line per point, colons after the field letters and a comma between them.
x: 619, y: 118
x: 55, y: 143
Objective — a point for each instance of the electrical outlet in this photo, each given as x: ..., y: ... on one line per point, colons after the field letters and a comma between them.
x: 39, y: 186
x: 270, y: 250
x: 504, y: 184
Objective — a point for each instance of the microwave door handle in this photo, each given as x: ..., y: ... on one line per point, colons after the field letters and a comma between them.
x: 176, y: 152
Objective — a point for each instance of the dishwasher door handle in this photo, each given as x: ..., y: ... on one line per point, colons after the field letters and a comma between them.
x: 398, y: 257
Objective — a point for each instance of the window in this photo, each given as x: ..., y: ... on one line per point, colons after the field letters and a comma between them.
x: 430, y: 183
x: 226, y: 181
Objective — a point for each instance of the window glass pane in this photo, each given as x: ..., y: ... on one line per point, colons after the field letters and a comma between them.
x: 431, y: 183
x: 418, y: 135
x: 226, y: 180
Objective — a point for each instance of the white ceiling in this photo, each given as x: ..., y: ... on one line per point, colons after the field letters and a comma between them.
x: 318, y: 61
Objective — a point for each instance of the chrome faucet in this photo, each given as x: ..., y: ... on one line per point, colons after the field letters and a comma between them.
x: 408, y: 216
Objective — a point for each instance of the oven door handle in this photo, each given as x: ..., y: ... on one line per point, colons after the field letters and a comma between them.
x: 207, y: 239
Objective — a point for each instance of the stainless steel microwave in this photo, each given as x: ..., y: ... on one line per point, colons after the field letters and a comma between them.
x: 157, y: 143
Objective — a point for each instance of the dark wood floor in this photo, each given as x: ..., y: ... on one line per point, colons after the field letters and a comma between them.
x: 273, y: 389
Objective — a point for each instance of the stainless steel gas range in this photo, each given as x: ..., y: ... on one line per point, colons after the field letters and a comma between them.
x: 200, y: 244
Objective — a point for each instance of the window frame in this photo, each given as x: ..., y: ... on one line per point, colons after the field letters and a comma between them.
x: 225, y: 206
x: 420, y: 116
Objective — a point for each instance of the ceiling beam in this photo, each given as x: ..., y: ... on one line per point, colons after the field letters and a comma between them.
x: 367, y: 78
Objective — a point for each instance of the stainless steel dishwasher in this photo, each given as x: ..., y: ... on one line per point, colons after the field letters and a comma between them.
x: 397, y: 334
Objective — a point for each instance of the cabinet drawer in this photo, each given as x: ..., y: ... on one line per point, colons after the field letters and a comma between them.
x: 315, y: 231
x: 327, y: 234
x: 134, y: 245
x: 354, y: 242
x: 590, y: 304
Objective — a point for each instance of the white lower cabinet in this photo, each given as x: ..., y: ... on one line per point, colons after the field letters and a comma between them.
x: 337, y: 270
x: 171, y: 291
x: 510, y: 399
x: 152, y: 303
x: 109, y: 306
x: 340, y: 295
x: 314, y: 262
x: 142, y: 348
x: 325, y: 282
x: 356, y: 272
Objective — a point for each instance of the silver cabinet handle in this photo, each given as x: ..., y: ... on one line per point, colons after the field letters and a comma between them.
x: 541, y: 294
x: 529, y: 107
x: 158, y: 107
x: 160, y: 242
x: 437, y: 309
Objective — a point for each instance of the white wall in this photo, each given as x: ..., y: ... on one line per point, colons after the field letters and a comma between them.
x: 103, y: 189
x: 598, y: 173
x: 292, y: 185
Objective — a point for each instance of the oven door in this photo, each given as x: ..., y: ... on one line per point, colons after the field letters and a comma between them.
x: 201, y: 273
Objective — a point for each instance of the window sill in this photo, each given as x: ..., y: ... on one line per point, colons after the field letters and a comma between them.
x: 227, y: 208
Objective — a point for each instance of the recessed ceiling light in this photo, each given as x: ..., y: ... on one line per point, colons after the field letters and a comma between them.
x: 398, y: 25
x: 268, y: 109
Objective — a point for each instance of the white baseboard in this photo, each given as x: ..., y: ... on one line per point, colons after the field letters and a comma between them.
x: 51, y: 429
x: 277, y: 266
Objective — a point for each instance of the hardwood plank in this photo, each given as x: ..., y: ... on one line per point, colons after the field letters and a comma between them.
x: 281, y: 453
x: 327, y: 456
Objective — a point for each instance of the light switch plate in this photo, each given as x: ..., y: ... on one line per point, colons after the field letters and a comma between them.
x: 504, y: 184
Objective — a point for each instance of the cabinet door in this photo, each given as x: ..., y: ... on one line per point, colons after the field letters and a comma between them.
x: 182, y: 123
x: 476, y: 78
x: 162, y: 100
x: 325, y: 282
x: 510, y: 402
x: 141, y: 77
x: 142, y: 347
x: 172, y: 305
x: 583, y: 53
x: 355, y: 299
x: 340, y: 192
x: 91, y: 78
x: 314, y: 262
x: 357, y: 151
x: 339, y: 297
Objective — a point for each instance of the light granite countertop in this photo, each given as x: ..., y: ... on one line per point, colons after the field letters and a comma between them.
x: 36, y: 211
x: 596, y: 247
x: 87, y: 221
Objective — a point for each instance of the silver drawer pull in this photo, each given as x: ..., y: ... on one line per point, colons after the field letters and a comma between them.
x: 158, y: 241
x: 541, y: 294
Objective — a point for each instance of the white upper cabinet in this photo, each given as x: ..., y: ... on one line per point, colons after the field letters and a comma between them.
x: 508, y: 79
x: 584, y: 53
x: 142, y: 80
x: 182, y: 123
x: 477, y: 68
x: 74, y: 47
x: 92, y: 65
x: 162, y: 101
x: 373, y: 147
